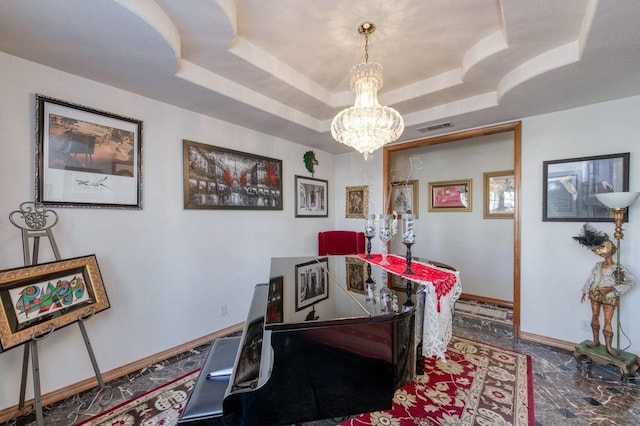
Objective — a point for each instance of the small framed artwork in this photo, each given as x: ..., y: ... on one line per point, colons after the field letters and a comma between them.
x: 357, y: 202
x: 275, y: 300
x: 499, y: 195
x: 311, y: 197
x: 404, y: 197
x: 86, y: 157
x: 221, y: 178
x: 399, y: 284
x: 570, y: 187
x: 36, y: 300
x: 450, y: 196
x: 312, y: 282
x: 356, y: 274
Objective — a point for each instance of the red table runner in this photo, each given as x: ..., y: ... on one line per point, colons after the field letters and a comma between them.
x: 443, y: 281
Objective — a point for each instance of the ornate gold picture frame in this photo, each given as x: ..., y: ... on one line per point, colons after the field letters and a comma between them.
x: 356, y: 274
x: 357, y: 202
x: 36, y: 300
x: 499, y: 195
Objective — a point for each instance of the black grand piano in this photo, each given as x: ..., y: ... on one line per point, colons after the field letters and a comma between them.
x: 314, y: 346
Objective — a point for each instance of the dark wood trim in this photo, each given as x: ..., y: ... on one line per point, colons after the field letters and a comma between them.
x: 516, y: 128
x: 489, y: 300
x: 86, y: 384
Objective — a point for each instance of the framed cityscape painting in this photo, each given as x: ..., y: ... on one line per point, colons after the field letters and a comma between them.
x: 221, y: 178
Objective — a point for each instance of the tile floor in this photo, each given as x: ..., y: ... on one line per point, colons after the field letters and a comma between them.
x: 563, y: 394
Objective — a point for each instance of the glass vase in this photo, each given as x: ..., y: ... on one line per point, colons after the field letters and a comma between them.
x: 408, y: 238
x: 384, y: 233
x: 370, y: 232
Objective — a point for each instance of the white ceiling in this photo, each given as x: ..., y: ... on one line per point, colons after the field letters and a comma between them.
x: 282, y: 66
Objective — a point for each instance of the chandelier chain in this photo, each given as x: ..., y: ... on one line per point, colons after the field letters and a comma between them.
x: 366, y: 48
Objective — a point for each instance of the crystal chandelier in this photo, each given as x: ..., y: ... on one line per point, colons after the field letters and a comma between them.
x: 367, y: 125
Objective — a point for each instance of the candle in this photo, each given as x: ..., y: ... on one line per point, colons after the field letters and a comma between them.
x: 408, y: 235
x: 370, y: 226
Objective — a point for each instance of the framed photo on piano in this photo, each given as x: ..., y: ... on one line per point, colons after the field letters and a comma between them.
x: 312, y: 282
x: 356, y: 274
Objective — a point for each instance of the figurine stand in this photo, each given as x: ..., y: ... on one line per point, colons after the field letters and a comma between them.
x: 626, y: 362
x: 35, y: 221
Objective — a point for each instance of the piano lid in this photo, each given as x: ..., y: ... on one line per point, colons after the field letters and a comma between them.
x: 308, y: 290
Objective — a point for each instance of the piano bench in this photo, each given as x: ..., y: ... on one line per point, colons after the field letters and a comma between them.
x: 204, y: 406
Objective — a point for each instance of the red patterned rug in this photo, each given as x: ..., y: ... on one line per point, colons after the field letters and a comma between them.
x: 479, y: 384
x: 161, y: 406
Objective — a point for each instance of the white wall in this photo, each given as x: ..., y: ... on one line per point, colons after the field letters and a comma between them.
x: 166, y: 270
x: 352, y: 170
x: 450, y: 237
x: 554, y: 266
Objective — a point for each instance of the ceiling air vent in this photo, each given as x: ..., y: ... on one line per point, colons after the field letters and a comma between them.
x: 433, y: 127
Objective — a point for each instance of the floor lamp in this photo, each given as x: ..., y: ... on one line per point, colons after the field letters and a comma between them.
x: 618, y: 203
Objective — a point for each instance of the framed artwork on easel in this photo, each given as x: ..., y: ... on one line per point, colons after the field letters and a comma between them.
x: 36, y: 300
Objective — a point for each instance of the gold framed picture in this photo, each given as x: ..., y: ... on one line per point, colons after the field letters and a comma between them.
x: 36, y: 300
x: 450, y: 196
x: 357, y: 202
x: 356, y: 274
x: 499, y: 195
x: 404, y: 197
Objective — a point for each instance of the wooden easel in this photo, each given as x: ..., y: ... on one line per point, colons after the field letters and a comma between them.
x: 35, y: 221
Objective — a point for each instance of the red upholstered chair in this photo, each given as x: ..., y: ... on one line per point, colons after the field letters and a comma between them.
x: 340, y: 242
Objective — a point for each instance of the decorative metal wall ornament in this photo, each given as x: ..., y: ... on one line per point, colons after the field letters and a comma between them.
x: 309, y: 159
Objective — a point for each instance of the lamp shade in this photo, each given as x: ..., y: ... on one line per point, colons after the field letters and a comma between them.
x: 617, y: 200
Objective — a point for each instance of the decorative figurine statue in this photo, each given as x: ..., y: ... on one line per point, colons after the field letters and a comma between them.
x: 607, y: 281
x: 310, y: 161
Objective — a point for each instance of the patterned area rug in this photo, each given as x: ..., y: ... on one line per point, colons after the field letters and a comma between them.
x: 478, y: 384
x: 161, y: 406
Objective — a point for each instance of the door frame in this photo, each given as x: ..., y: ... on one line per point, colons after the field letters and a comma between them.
x: 516, y: 128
